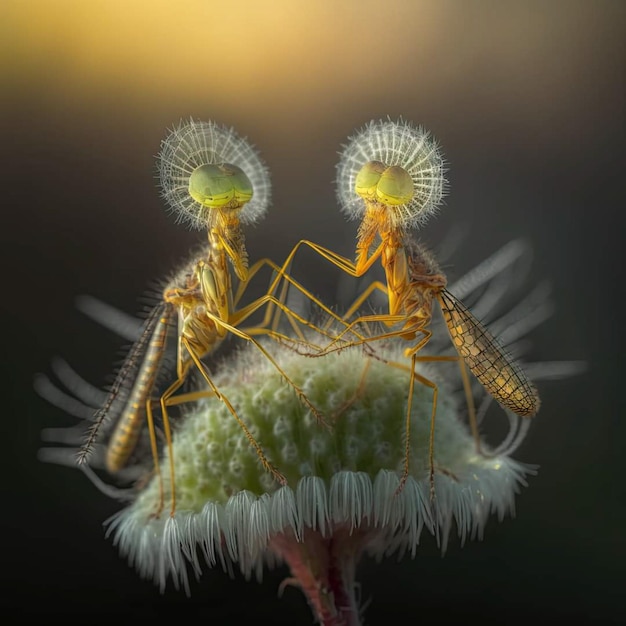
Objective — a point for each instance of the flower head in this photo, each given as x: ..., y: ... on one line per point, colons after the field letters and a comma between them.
x: 343, y: 480
x: 204, y: 167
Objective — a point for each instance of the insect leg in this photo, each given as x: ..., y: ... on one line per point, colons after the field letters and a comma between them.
x: 253, y: 442
x: 248, y: 337
x: 275, y: 302
x: 168, y: 440
x: 356, y: 395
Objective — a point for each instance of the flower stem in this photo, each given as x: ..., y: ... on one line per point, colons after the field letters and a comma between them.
x: 324, y: 568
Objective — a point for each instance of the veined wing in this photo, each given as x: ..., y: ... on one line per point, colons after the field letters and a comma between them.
x: 135, y: 360
x: 496, y: 370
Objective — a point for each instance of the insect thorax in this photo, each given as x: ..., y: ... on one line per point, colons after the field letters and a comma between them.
x: 426, y: 280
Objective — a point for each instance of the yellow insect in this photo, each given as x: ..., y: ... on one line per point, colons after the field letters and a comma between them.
x: 212, y: 178
x: 391, y: 175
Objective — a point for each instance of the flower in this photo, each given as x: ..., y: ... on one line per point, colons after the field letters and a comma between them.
x: 341, y: 482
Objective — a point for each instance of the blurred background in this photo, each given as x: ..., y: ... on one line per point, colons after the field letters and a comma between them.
x: 527, y: 101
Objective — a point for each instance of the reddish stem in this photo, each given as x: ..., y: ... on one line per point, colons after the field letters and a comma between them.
x: 324, y: 567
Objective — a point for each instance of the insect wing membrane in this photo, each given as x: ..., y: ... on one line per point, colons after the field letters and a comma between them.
x: 499, y: 374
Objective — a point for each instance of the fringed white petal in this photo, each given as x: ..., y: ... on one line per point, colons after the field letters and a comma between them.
x: 240, y: 530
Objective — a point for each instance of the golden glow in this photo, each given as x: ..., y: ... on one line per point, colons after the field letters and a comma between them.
x: 294, y: 67
x: 280, y: 59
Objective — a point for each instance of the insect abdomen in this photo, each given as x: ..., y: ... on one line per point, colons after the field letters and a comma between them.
x: 126, y: 433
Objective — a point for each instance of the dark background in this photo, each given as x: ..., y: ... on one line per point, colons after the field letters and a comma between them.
x: 527, y: 100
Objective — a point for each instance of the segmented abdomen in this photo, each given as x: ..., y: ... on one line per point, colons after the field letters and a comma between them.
x: 499, y: 374
x: 126, y: 433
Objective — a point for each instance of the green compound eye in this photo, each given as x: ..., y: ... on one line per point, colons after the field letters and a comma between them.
x: 395, y: 186
x: 391, y: 186
x: 367, y: 179
x: 217, y: 186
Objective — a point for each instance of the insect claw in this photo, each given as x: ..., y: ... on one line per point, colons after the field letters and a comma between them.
x: 431, y: 481
x: 402, y: 483
x: 275, y: 473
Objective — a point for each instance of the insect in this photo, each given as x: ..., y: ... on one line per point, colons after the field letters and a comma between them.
x: 392, y: 176
x: 211, y: 177
x: 477, y: 348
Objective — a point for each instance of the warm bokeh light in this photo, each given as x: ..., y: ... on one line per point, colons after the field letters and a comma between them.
x: 299, y: 62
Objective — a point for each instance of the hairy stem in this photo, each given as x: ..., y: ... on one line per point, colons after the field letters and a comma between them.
x: 324, y: 569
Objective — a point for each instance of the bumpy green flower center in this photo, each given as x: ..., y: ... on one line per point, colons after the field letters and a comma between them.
x: 364, y: 399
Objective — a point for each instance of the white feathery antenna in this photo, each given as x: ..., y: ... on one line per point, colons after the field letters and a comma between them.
x: 193, y: 145
x: 394, y: 145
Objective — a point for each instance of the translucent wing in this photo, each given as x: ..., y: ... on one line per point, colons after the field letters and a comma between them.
x: 499, y: 374
x: 127, y: 373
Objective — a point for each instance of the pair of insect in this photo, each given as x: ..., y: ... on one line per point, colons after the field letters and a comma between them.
x: 391, y: 176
